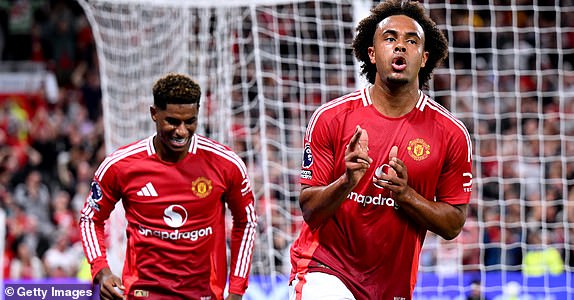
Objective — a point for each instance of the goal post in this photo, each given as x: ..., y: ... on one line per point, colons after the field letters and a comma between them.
x: 265, y: 65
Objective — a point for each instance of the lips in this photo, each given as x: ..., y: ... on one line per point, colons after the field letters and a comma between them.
x: 399, y: 63
x: 178, y: 142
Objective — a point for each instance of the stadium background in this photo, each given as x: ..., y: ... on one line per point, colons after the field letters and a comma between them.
x: 509, y: 77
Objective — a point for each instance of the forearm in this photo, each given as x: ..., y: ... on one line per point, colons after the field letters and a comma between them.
x: 93, y: 242
x: 242, y: 243
x: 319, y: 203
x: 441, y: 218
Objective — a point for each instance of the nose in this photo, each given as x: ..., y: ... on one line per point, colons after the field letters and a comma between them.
x: 181, y: 130
x: 400, y: 48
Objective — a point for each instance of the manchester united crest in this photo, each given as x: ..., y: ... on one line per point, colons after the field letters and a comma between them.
x: 201, y: 187
x: 418, y: 149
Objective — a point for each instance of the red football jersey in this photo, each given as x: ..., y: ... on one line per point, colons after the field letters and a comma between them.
x: 372, y: 247
x: 175, y: 212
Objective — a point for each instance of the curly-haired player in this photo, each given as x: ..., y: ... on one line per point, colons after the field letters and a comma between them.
x: 382, y: 165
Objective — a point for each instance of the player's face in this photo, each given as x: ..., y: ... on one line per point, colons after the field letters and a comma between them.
x: 398, y: 49
x: 175, y: 127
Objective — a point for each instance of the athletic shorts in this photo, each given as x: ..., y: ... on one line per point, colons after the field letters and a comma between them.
x: 318, y: 286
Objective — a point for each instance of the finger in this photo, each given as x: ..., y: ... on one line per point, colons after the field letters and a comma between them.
x: 393, y: 161
x: 118, y: 289
x: 379, y: 181
x: 386, y: 178
x: 385, y: 184
x: 363, y: 161
x: 396, y: 165
x: 113, y: 289
x: 355, y: 139
x: 119, y: 292
x: 393, y: 153
x: 364, y: 140
x: 355, y: 162
x: 358, y: 160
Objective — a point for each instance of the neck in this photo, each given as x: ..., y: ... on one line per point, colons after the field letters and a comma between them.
x: 165, y: 154
x: 394, y: 101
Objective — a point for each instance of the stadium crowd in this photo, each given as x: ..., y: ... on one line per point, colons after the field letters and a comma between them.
x: 49, y: 147
x: 49, y: 144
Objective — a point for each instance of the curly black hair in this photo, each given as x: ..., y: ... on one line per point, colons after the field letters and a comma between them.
x: 175, y: 88
x: 436, y: 43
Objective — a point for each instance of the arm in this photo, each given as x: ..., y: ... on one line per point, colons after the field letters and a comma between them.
x: 96, y: 211
x: 441, y: 218
x: 320, y: 203
x: 240, y: 200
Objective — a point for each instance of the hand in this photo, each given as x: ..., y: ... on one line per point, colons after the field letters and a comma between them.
x: 396, y: 177
x: 357, y: 159
x: 234, y: 297
x: 111, y: 287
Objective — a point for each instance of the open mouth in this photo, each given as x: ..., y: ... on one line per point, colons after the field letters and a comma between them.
x: 179, y: 141
x: 399, y: 63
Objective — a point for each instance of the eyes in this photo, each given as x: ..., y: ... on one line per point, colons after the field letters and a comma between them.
x: 412, y: 41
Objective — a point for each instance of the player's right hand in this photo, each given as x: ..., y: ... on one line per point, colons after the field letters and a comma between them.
x: 357, y: 159
x: 111, y: 287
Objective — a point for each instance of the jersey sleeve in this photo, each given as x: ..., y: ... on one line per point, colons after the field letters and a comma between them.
x: 240, y: 201
x: 318, y: 156
x: 455, y: 182
x: 101, y: 200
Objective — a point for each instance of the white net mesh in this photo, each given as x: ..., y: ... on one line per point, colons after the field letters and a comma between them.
x: 264, y: 66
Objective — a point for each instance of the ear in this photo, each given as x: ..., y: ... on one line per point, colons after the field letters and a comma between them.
x: 371, y: 52
x: 424, y: 59
x: 153, y: 112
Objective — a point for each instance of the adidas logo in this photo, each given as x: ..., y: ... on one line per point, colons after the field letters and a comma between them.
x: 148, y: 190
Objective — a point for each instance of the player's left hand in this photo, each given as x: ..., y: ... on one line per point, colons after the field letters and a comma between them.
x: 234, y: 297
x: 396, y: 177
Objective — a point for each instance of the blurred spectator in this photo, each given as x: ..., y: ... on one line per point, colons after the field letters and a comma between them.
x: 20, y: 18
x: 541, y: 258
x: 63, y: 217
x: 26, y: 264
x: 61, y: 260
x: 475, y: 291
x: 34, y: 197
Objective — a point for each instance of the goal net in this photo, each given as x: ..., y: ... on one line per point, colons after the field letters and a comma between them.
x: 265, y: 65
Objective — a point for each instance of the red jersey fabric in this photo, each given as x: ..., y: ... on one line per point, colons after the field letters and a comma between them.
x: 371, y: 246
x: 176, y: 237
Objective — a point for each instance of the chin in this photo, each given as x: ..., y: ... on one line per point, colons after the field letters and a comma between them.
x: 397, y: 80
x: 179, y: 148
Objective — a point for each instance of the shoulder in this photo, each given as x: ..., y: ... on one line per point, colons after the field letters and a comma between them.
x: 219, y: 151
x: 358, y: 98
x: 454, y: 130
x: 212, y: 148
x: 337, y: 107
x: 125, y: 156
x: 441, y: 115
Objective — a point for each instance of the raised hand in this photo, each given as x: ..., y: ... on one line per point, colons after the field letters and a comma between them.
x: 357, y: 159
x: 392, y: 176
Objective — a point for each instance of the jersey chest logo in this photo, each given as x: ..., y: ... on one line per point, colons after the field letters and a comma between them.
x: 418, y: 149
x: 201, y: 187
x: 175, y: 216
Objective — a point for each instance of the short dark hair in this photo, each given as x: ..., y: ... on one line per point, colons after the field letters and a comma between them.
x: 436, y: 43
x: 175, y: 88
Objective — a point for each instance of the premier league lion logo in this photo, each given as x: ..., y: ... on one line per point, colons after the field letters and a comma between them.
x: 95, y: 195
x: 307, y: 156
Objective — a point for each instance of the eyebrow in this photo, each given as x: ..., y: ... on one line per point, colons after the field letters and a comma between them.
x: 394, y: 32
